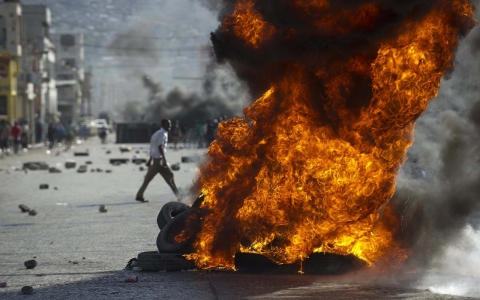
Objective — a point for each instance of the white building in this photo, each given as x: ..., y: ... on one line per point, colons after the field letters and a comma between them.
x: 38, y: 70
x: 70, y: 75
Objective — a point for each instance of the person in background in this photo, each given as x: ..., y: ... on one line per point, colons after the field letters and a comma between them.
x: 4, y: 136
x: 17, y: 136
x: 84, y: 131
x: 158, y: 161
x: 102, y: 133
x: 70, y: 131
x: 24, y: 137
x: 51, y: 136
x: 60, y: 132
x: 176, y: 134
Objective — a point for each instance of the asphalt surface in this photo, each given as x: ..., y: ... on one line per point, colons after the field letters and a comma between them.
x: 81, y: 253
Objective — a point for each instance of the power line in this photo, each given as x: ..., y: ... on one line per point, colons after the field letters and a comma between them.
x: 163, y: 37
x: 144, y: 49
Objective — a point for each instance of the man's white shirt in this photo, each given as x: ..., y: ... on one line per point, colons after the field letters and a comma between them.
x: 159, y: 138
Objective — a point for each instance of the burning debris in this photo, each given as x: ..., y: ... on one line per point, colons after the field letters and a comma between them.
x: 313, y: 164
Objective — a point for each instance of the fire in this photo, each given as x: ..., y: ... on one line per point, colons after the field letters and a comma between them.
x: 313, y: 164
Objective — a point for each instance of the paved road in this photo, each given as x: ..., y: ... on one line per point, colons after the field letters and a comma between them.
x: 81, y: 253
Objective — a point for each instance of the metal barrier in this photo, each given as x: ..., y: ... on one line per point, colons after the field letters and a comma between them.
x: 135, y: 133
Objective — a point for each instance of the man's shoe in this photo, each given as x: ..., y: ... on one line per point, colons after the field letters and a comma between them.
x: 141, y: 199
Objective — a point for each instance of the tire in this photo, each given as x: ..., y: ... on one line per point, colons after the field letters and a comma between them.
x: 154, y: 261
x: 169, y: 211
x: 165, y: 239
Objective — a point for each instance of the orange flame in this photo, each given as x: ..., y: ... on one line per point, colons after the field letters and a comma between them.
x: 286, y: 182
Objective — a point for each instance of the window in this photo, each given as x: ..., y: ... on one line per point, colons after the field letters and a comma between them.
x: 68, y: 63
x: 3, y: 32
x: 65, y: 77
x: 67, y: 40
x: 3, y: 105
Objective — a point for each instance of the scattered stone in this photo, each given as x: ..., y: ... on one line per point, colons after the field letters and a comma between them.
x: 27, y: 290
x: 70, y: 164
x: 32, y: 212
x: 30, y: 264
x: 103, y: 209
x: 131, y: 279
x: 137, y: 152
x: 54, y: 170
x: 44, y: 186
x: 139, y: 161
x: 55, y: 188
x: 175, y: 167
x: 84, y: 258
x: 108, y: 171
x: 84, y: 153
x: 92, y: 170
x: 125, y: 149
x: 118, y: 161
x: 24, y: 208
x: 190, y: 159
x: 108, y: 152
x: 34, y: 166
x: 82, y: 169
x: 88, y: 162
x: 99, y: 170
x: 142, y: 169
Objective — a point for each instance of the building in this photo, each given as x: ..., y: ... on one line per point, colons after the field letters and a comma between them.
x: 70, y: 75
x: 37, y: 86
x: 10, y: 54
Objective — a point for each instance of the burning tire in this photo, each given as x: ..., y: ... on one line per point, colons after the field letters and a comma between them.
x: 169, y: 211
x: 174, y: 228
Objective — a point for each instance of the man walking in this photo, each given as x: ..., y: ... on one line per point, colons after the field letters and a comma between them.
x: 158, y: 162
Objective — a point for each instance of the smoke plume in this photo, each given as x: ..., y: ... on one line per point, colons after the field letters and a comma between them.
x: 437, y: 194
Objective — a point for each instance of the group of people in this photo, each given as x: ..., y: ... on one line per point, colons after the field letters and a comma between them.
x: 60, y: 133
x: 201, y: 135
x: 15, y: 136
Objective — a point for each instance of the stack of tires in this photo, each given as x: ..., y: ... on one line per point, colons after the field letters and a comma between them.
x: 173, y: 219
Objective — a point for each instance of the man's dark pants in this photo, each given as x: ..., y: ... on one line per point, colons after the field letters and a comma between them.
x: 165, y: 171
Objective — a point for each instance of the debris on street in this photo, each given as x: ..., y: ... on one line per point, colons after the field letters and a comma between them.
x: 32, y: 212
x: 103, y: 209
x: 125, y: 149
x: 27, y: 290
x: 34, y: 166
x: 131, y: 279
x: 84, y: 153
x: 30, y: 264
x: 24, y: 208
x: 54, y: 170
x: 118, y: 161
x: 70, y: 164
